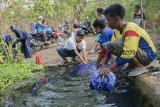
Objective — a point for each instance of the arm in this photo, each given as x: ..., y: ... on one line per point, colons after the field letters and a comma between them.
x: 78, y: 55
x: 106, y: 58
x: 84, y: 54
x: 129, y: 51
x: 94, y: 47
x: 99, y: 60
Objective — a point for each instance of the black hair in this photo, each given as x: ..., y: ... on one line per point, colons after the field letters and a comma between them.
x: 137, y: 6
x: 76, y: 25
x: 101, y: 23
x: 80, y: 32
x: 100, y: 10
x: 115, y: 10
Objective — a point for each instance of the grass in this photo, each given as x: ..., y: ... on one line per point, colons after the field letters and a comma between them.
x: 15, y: 72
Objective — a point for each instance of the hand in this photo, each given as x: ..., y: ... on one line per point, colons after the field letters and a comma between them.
x: 92, y: 52
x: 84, y: 62
x: 14, y: 43
x: 103, y: 66
x: 105, y: 70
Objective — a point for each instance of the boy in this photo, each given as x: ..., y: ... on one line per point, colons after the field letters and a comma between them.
x: 73, y: 47
x: 136, y: 46
x: 104, y: 37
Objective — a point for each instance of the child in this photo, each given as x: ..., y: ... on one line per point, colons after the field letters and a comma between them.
x: 104, y: 37
x: 75, y: 28
x: 72, y: 48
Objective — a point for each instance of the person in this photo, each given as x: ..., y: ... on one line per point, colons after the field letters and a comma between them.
x: 72, y: 48
x: 99, y: 13
x: 138, y: 17
x: 130, y: 43
x: 41, y: 29
x: 47, y: 30
x: 7, y: 38
x: 74, y: 29
x: 24, y: 38
x: 105, y: 36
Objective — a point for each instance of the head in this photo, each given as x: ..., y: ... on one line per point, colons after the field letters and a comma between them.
x: 114, y: 14
x: 80, y: 34
x: 66, y: 22
x: 44, y: 22
x: 99, y: 11
x: 13, y: 28
x: 137, y: 8
x: 99, y: 25
x: 75, y: 25
x: 40, y: 17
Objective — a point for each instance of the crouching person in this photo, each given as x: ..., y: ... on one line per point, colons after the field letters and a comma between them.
x: 72, y: 48
x: 24, y: 38
x: 130, y: 43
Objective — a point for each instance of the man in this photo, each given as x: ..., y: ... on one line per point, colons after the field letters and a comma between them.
x: 24, y: 38
x: 136, y: 46
x: 138, y: 17
x: 104, y: 37
x: 72, y: 48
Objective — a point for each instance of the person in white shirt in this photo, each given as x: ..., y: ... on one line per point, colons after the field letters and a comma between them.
x: 74, y: 29
x: 72, y: 48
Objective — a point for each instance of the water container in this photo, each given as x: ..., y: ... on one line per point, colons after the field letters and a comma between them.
x: 38, y: 59
x: 106, y: 82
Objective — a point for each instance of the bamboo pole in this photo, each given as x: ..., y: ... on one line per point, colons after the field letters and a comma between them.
x: 141, y: 10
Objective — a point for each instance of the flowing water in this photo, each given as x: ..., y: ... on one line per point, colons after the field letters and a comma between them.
x: 72, y: 90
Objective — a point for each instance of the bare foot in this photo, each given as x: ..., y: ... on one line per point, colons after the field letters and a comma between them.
x: 64, y: 62
x: 91, y: 52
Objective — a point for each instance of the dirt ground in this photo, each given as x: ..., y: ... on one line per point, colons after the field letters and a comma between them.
x: 50, y: 55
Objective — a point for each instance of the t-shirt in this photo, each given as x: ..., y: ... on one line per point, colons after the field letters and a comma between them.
x: 40, y: 28
x: 72, y: 44
x: 138, y: 19
x: 134, y: 37
x: 106, y: 36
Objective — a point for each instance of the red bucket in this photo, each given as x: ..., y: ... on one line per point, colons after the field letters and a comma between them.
x: 38, y: 59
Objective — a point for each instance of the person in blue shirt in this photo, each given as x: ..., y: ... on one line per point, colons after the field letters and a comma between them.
x: 24, y: 38
x: 105, y: 35
x: 41, y: 29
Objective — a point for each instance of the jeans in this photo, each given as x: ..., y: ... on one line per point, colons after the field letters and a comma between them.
x: 63, y: 52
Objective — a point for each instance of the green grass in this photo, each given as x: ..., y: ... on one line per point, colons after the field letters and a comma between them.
x: 15, y: 72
